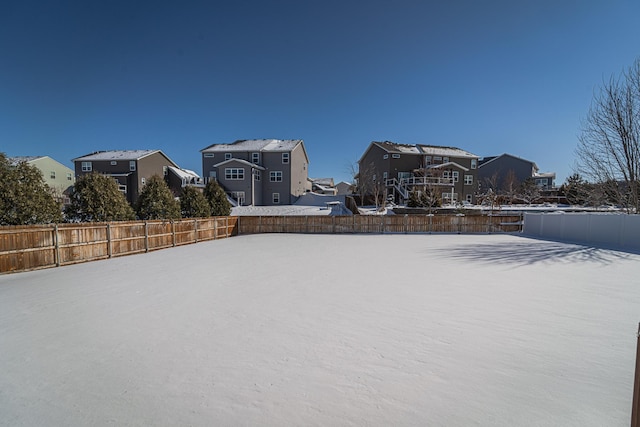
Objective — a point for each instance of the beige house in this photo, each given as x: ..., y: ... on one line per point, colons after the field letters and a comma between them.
x: 259, y: 172
x: 57, y: 176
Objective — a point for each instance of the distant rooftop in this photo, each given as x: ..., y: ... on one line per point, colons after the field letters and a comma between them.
x: 255, y: 145
x: 117, y: 155
x: 436, y: 150
x: 17, y: 159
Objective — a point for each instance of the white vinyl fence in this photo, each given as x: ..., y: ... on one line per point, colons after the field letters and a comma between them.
x: 620, y: 231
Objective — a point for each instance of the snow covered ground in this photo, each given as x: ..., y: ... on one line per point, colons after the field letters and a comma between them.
x: 326, y: 330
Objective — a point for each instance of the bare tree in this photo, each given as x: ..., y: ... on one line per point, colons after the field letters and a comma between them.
x: 609, y: 144
x: 510, y: 186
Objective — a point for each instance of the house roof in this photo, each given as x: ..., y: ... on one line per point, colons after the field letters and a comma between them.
x: 241, y: 161
x: 283, y: 145
x: 120, y: 155
x: 448, y: 165
x: 183, y: 173
x: 420, y: 149
x: 322, y: 181
x: 487, y: 160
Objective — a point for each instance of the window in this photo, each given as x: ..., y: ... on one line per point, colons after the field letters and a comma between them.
x: 285, y: 158
x: 447, y: 196
x: 69, y: 177
x: 213, y: 174
x: 385, y: 157
x: 384, y: 175
x: 122, y: 188
x: 113, y: 163
x: 395, y: 156
x: 374, y: 178
x: 468, y: 179
x: 275, y: 197
x: 132, y: 165
x: 437, y: 160
x: 165, y: 170
x: 469, y: 198
x: 275, y: 176
x: 256, y: 175
x: 239, y: 196
x: 427, y: 160
x: 255, y: 158
x: 234, y: 174
x: 404, y: 176
x: 455, y: 175
x: 143, y: 181
x: 87, y: 167
x: 474, y: 163
x: 227, y: 156
x: 209, y: 154
x: 446, y: 174
x: 445, y: 160
x: 52, y: 175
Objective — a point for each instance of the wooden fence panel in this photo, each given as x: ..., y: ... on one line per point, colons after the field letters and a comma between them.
x: 27, y: 247
x: 76, y: 244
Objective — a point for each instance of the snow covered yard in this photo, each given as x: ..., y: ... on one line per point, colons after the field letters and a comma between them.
x: 331, y: 330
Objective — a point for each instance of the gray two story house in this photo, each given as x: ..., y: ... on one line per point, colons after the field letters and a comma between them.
x: 398, y: 169
x: 497, y: 172
x: 131, y: 169
x: 259, y: 172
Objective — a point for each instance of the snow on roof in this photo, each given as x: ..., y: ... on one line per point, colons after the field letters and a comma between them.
x: 435, y: 150
x: 183, y: 173
x: 117, y: 155
x: 255, y: 145
x: 322, y: 181
x: 446, y: 165
x: 241, y: 161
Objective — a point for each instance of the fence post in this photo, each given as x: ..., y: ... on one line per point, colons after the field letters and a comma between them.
x: 226, y: 229
x: 146, y: 236
x: 195, y: 230
x: 406, y: 223
x: 635, y: 417
x: 56, y: 241
x: 109, y: 247
x: 333, y: 224
x: 173, y: 233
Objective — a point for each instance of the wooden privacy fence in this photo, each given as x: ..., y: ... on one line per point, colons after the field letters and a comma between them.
x: 381, y: 224
x: 39, y: 246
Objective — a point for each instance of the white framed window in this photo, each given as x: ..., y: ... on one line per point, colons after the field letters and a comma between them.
x: 234, y: 174
x: 275, y: 176
x: 122, y: 188
x: 445, y: 160
x: 213, y: 174
x: 143, y: 181
x: 113, y: 163
x: 275, y: 198
x: 255, y: 158
x: 132, y: 165
x: 256, y: 175
x: 227, y: 156
x: 446, y: 174
x: 385, y: 157
x: 455, y: 175
x: 165, y: 170
x: 474, y: 163
x: 468, y: 179
x: 395, y: 156
x: 209, y: 154
x: 469, y: 198
x: 87, y: 167
x: 374, y: 178
x: 427, y: 160
x: 437, y: 160
x: 384, y: 175
x: 285, y: 158
x: 52, y: 175
x: 69, y: 177
x: 404, y: 175
x: 239, y: 196
x: 446, y: 196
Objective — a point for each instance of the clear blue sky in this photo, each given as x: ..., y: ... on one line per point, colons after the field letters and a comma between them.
x: 486, y: 76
